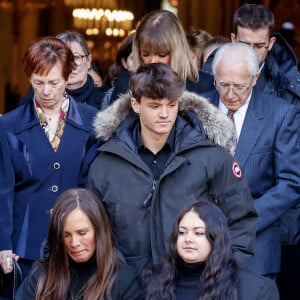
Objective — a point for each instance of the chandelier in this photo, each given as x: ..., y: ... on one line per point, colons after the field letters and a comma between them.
x: 100, y: 17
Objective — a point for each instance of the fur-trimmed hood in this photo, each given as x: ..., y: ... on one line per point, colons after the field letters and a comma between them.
x: 218, y: 128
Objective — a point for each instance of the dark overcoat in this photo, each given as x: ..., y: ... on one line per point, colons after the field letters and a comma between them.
x: 268, y: 150
x: 37, y: 174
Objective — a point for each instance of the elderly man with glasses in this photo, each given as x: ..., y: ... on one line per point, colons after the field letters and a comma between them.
x: 267, y: 146
x: 253, y: 24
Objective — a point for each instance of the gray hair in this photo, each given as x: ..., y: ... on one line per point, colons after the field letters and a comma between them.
x: 70, y: 37
x: 237, y: 52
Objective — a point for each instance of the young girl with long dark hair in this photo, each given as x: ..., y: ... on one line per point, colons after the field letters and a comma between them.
x: 201, y: 265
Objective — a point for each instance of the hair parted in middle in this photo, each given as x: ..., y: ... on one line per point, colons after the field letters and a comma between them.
x: 57, y: 264
x: 163, y: 32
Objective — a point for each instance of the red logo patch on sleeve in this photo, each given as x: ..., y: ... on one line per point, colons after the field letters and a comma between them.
x: 236, y: 170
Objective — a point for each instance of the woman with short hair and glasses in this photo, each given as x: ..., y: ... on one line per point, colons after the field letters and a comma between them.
x: 80, y: 84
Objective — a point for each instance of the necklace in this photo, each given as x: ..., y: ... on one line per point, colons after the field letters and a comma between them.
x: 50, y: 117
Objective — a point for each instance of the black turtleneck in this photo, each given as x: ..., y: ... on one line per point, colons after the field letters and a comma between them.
x: 80, y: 274
x: 88, y: 93
x: 188, y: 282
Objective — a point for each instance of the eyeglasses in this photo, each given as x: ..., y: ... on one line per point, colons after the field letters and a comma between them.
x: 257, y: 47
x: 237, y: 89
x: 78, y: 59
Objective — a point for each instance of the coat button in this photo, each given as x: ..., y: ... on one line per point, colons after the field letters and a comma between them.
x: 49, y: 211
x: 54, y: 188
x: 56, y: 166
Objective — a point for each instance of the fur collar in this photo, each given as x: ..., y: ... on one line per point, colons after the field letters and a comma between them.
x: 218, y: 128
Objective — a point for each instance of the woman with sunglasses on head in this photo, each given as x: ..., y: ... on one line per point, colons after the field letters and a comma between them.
x: 200, y: 263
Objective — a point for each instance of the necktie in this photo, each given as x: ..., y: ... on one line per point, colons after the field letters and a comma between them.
x: 230, y: 114
x: 233, y: 139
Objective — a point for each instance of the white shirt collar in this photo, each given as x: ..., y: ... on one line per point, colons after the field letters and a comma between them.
x: 261, y: 67
x: 239, y: 115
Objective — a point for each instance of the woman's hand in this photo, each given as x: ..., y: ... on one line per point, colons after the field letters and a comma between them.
x: 6, y: 260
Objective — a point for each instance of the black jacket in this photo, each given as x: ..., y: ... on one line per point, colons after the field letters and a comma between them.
x: 141, y: 209
x: 280, y: 74
x: 250, y: 286
x: 255, y: 287
x: 124, y: 288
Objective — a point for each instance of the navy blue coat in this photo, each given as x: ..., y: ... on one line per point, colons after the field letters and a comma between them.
x: 36, y: 175
x: 268, y: 150
x: 279, y: 77
x: 280, y: 74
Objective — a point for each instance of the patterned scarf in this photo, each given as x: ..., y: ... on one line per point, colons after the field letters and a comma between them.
x: 54, y: 139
